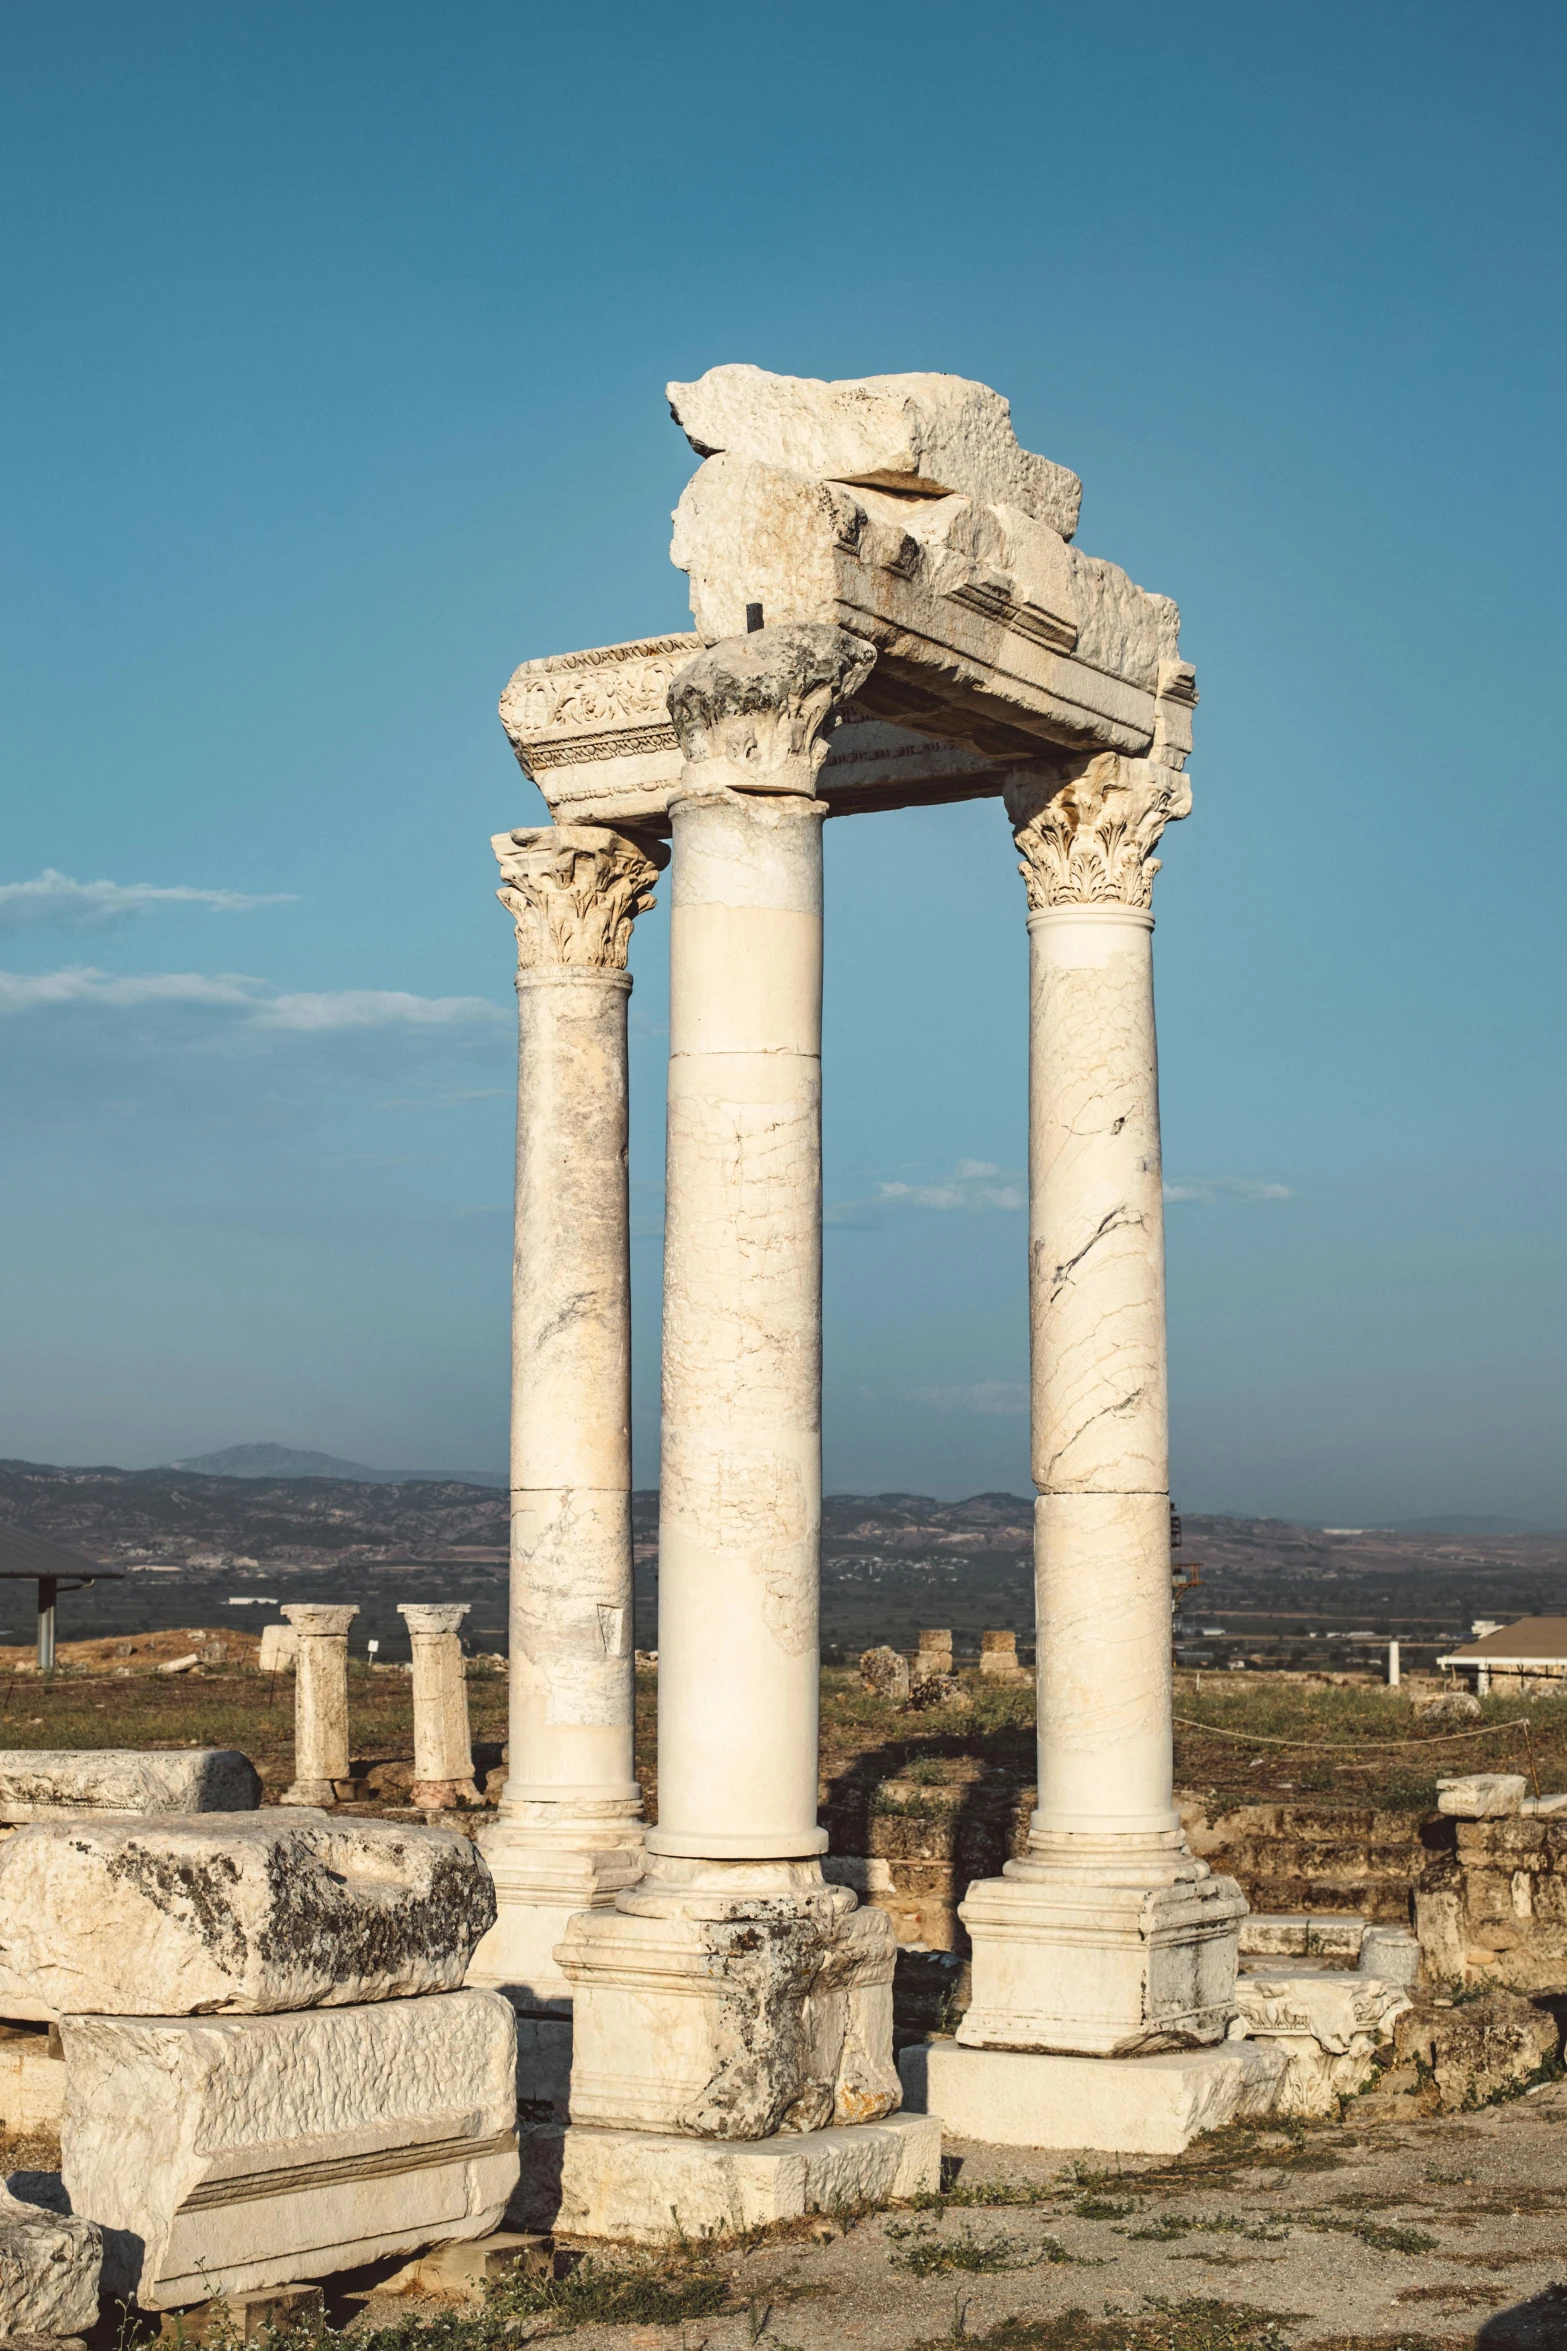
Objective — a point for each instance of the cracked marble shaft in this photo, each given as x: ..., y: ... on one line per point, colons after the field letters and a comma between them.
x: 320, y: 1703
x: 443, y: 1741
x: 569, y: 1831
x: 731, y: 1994
x: 1107, y: 1936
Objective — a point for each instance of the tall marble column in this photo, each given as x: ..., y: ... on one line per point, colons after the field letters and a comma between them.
x: 732, y: 1994
x: 569, y: 1832
x: 1107, y: 1936
x: 320, y: 1703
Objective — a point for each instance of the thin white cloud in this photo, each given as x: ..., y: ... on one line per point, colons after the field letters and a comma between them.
x: 1219, y: 1191
x: 965, y: 1189
x: 54, y: 902
x: 991, y: 1399
x: 331, y: 1009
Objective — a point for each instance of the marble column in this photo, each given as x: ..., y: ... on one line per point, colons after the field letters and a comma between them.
x: 443, y: 1741
x: 320, y: 1704
x: 569, y: 1832
x: 732, y: 1993
x: 1107, y: 1937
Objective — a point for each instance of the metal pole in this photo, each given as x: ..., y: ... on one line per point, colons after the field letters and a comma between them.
x: 48, y: 1587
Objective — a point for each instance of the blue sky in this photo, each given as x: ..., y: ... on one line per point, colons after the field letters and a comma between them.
x: 336, y: 339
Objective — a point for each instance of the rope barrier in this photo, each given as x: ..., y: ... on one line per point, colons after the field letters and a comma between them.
x: 1491, y: 1730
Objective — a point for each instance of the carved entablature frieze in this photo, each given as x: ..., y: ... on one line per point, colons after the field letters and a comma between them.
x: 1089, y: 840
x: 573, y: 892
x: 902, y: 510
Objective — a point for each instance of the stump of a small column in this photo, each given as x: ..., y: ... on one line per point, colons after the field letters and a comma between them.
x: 443, y: 1744
x: 320, y: 1704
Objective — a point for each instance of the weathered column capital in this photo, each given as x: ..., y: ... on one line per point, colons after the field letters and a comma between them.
x: 574, y: 891
x: 752, y: 714
x: 1090, y: 841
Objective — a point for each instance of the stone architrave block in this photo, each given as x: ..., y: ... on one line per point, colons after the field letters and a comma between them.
x: 221, y: 2154
x: 929, y: 434
x: 644, y: 2186
x: 1117, y: 2105
x: 1482, y: 1795
x: 1333, y: 2029
x: 885, y: 1673
x: 50, y: 2265
x: 239, y: 1913
x: 45, y: 1783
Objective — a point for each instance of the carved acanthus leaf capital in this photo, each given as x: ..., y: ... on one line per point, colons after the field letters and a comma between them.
x: 574, y: 892
x: 753, y: 713
x: 1090, y: 841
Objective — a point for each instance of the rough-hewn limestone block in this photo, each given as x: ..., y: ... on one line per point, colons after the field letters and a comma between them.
x: 762, y: 2016
x: 1131, y: 2106
x: 1482, y: 1795
x: 49, y: 2270
x: 32, y: 2082
x: 929, y: 434
x: 1333, y: 2029
x: 634, y: 2184
x: 1453, y: 2059
x: 121, y: 1917
x: 42, y: 1783
x: 220, y: 2154
x: 885, y: 1673
x: 1392, y: 1953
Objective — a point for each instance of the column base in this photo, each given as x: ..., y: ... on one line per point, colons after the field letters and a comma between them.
x: 1066, y: 1959
x: 648, y: 2187
x: 544, y: 1874
x: 316, y: 1793
x: 730, y: 2006
x: 1117, y: 2105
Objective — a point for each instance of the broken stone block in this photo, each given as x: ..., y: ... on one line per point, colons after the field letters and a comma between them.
x: 50, y: 2264
x: 244, y: 1913
x: 1482, y: 1795
x: 1392, y: 1953
x: 45, y: 1783
x: 245, y: 2317
x: 885, y: 1673
x: 32, y: 2081
x: 1466, y: 2056
x: 998, y: 1658
x: 929, y: 434
x: 279, y: 1648
x: 224, y: 2154
x: 1334, y: 2029
x: 936, y: 1689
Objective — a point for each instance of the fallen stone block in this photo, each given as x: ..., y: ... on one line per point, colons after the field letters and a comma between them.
x: 645, y: 2185
x: 244, y: 2317
x: 245, y: 1914
x: 44, y: 1783
x: 237, y: 2153
x: 1392, y: 1953
x: 1115, y: 2105
x: 1536, y: 1805
x: 1458, y: 2057
x: 1333, y: 2028
x: 50, y: 2265
x: 1482, y: 1795
x: 463, y: 2271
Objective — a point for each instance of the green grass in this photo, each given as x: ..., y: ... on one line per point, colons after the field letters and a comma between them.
x: 934, y: 2256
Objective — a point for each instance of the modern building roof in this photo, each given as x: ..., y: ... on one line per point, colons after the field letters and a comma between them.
x: 1533, y: 1640
x: 22, y: 1553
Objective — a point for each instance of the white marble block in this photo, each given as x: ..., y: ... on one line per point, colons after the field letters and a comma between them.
x: 32, y: 2082
x: 631, y: 2184
x: 1331, y: 2026
x: 219, y: 2154
x: 49, y: 2270
x: 238, y: 1912
x: 758, y: 2017
x: 1128, y: 2106
x: 1482, y: 1795
x: 44, y: 1783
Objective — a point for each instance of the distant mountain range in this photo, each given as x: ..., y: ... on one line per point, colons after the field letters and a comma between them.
x: 292, y: 1461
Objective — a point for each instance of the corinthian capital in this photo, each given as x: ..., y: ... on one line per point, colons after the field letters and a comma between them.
x: 1090, y: 841
x: 574, y: 891
x: 752, y: 713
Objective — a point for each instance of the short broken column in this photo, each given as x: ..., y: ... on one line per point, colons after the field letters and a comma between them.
x: 320, y: 1704
x: 443, y: 1742
x: 569, y: 1835
x: 732, y: 1995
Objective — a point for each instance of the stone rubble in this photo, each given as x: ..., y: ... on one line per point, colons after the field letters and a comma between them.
x: 50, y: 2266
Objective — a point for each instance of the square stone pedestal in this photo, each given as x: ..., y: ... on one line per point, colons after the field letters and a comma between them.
x: 647, y: 2185
x: 1116, y: 2105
